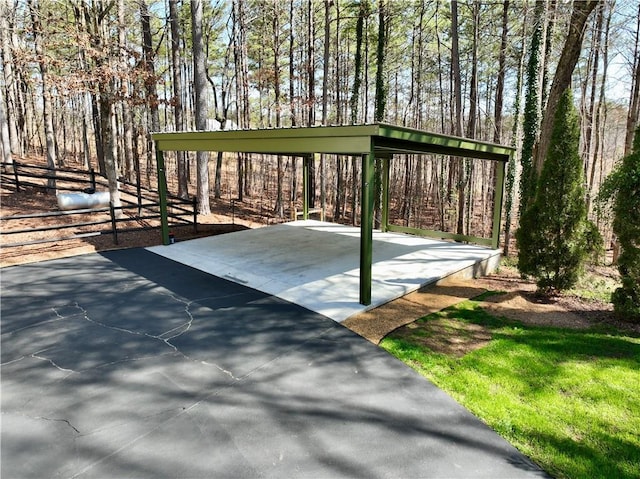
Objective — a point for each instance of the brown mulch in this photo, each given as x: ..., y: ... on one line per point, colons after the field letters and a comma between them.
x: 519, y: 302
x: 375, y: 324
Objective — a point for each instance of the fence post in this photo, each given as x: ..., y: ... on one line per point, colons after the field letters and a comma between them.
x: 15, y: 175
x: 92, y: 174
x: 114, y: 227
x: 139, y: 191
x: 195, y: 214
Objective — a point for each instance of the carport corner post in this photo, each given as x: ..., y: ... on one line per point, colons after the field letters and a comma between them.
x: 497, y: 204
x: 162, y: 196
x: 366, y: 227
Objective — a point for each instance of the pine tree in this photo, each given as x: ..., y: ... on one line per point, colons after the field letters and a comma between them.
x: 555, y: 236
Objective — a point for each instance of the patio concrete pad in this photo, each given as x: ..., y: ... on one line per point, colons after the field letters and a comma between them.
x: 127, y: 364
x: 316, y: 264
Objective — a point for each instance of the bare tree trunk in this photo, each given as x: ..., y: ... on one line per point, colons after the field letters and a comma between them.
x: 242, y: 90
x: 279, y: 206
x: 562, y: 78
x: 292, y: 103
x: 149, y: 81
x: 458, y: 166
x: 200, y: 87
x: 497, y: 134
x: 10, y: 84
x: 357, y: 77
x: 127, y: 121
x: 176, y: 61
x: 47, y: 105
x: 4, y: 130
x: 311, y: 98
x: 634, y: 99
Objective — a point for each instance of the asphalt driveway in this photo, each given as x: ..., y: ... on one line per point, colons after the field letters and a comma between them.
x: 127, y: 364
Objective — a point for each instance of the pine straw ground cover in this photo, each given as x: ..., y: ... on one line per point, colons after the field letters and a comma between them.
x: 568, y: 398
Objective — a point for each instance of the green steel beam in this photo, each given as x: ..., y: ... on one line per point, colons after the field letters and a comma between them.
x: 354, y: 140
x: 408, y: 140
x: 366, y: 227
x: 497, y: 205
x: 162, y: 196
x: 440, y: 235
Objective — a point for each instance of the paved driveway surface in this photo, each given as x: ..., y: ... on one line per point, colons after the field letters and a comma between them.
x: 126, y: 364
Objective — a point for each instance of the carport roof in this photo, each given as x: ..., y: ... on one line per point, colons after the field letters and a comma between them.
x: 372, y: 141
x: 348, y: 140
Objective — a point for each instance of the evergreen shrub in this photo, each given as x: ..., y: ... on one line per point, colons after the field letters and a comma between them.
x: 555, y: 237
x: 623, y: 185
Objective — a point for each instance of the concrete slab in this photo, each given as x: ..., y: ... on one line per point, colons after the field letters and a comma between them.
x: 316, y: 264
x: 128, y: 364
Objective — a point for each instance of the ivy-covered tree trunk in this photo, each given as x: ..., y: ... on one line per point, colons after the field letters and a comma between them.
x: 555, y: 236
x: 381, y: 102
x: 531, y: 118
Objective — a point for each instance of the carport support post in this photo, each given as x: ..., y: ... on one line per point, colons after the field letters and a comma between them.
x: 385, y: 194
x: 366, y: 227
x: 162, y: 196
x: 306, y: 163
x: 497, y: 205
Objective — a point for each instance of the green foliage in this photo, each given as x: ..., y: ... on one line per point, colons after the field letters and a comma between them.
x: 555, y: 237
x: 623, y: 187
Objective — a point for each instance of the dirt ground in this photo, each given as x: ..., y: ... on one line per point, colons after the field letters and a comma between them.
x: 519, y: 302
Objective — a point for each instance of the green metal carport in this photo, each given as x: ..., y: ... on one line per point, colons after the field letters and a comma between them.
x: 366, y: 141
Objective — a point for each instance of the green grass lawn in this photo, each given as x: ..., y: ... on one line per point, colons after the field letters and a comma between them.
x: 568, y: 399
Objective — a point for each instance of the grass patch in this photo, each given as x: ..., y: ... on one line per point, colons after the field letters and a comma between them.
x: 568, y: 399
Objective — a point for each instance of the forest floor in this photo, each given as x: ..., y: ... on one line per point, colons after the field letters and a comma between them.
x: 577, y: 309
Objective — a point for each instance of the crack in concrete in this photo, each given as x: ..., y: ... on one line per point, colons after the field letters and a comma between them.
x: 66, y: 421
x: 180, y: 330
x: 42, y: 358
x: 11, y: 361
x: 42, y: 418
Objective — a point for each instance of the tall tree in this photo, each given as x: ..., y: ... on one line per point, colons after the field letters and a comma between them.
x: 380, y: 98
x: 10, y: 81
x: 531, y: 111
x: 562, y: 78
x: 176, y: 63
x: 150, y: 80
x: 357, y: 76
x: 47, y: 104
x: 502, y: 58
x: 201, y: 107
x: 634, y: 97
x: 125, y: 88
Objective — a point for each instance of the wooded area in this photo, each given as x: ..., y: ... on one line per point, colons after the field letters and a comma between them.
x: 87, y: 81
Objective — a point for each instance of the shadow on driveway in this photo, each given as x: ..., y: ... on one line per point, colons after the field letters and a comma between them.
x: 126, y: 364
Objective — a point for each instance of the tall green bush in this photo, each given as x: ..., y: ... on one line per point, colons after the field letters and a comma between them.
x: 623, y: 185
x: 555, y: 237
